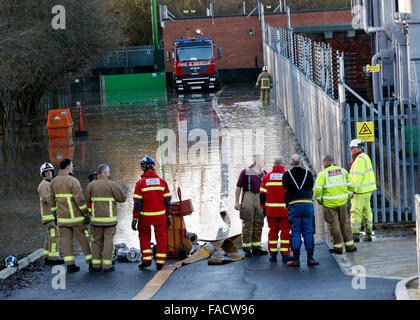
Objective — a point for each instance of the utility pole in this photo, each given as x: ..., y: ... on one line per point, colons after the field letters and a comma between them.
x: 154, y: 25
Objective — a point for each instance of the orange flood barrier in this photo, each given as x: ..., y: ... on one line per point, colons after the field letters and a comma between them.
x: 60, y: 124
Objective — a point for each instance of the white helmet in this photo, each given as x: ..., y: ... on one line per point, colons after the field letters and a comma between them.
x: 264, y: 68
x: 356, y: 143
x: 45, y: 167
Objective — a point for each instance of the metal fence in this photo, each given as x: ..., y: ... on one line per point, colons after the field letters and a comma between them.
x: 135, y: 56
x: 310, y: 92
x: 316, y: 60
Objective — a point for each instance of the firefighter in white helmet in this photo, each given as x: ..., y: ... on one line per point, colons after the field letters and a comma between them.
x: 265, y: 82
x: 363, y: 176
x: 52, y: 236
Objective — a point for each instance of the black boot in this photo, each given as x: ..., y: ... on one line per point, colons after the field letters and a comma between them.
x: 144, y: 265
x: 311, y: 261
x: 336, y: 251
x: 47, y: 262
x: 112, y: 268
x: 92, y: 269
x: 247, y: 252
x: 295, y: 261
x: 273, y: 259
x: 354, y: 249
x: 286, y: 259
x: 72, y: 268
x: 259, y: 252
x: 56, y: 262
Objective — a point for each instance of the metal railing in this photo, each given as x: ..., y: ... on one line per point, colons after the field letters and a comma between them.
x: 310, y: 92
x: 316, y: 60
x: 131, y: 56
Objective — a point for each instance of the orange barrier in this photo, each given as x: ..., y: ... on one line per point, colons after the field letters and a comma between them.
x: 60, y: 124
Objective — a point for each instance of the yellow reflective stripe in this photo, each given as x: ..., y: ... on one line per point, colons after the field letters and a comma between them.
x: 54, y: 254
x: 137, y: 196
x: 69, y: 258
x: 167, y: 195
x: 284, y: 249
x: 52, y: 232
x: 153, y: 188
x: 54, y: 208
x: 274, y: 184
x: 96, y: 261
x: 300, y: 201
x: 103, y: 199
x: 46, y: 252
x: 63, y: 195
x: 68, y: 196
x: 71, y: 220
x: 88, y: 257
x: 263, y: 190
x: 147, y: 258
x: 318, y: 187
x: 103, y: 219
x: 338, y: 245
x: 160, y: 261
x: 280, y: 205
x: 90, y: 209
x: 53, y: 247
x: 161, y: 255
x: 48, y: 217
x: 274, y: 250
x: 273, y: 242
x: 106, y: 261
x: 83, y: 207
x: 350, y: 243
x: 246, y: 245
x: 284, y: 241
x: 340, y: 196
x: 256, y: 244
x: 148, y: 251
x: 153, y: 213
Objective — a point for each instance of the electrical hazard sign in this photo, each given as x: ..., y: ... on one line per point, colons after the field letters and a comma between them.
x: 365, y: 131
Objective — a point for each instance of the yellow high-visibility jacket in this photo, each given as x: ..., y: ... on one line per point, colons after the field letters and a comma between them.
x: 333, y: 187
x: 362, y: 174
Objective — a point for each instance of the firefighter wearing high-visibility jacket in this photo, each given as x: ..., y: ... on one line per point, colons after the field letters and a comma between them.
x: 363, y: 176
x: 152, y: 207
x: 274, y: 208
x: 265, y: 82
x: 52, y: 235
x: 332, y: 189
x: 103, y: 194
x: 72, y: 214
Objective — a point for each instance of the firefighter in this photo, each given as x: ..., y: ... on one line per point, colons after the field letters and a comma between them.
x: 333, y: 188
x: 103, y: 194
x: 274, y: 208
x: 152, y: 207
x: 250, y: 211
x: 265, y: 82
x: 363, y: 176
x: 52, y: 235
x: 298, y: 183
x: 72, y: 214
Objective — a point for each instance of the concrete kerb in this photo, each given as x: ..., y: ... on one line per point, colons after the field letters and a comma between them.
x: 23, y: 263
x: 401, y: 291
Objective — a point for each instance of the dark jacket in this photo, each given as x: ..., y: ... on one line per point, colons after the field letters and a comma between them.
x: 293, y: 193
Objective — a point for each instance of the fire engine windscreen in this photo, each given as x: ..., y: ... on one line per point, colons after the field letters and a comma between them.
x: 184, y: 54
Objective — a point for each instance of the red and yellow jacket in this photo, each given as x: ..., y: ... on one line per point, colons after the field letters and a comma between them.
x: 152, y: 199
x: 272, y: 193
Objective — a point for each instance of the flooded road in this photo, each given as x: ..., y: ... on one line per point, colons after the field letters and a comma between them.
x: 198, y: 145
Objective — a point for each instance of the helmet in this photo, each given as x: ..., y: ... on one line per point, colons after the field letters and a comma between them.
x: 356, y: 143
x: 93, y: 176
x: 11, y: 261
x: 264, y: 68
x: 147, y: 163
x: 45, y: 167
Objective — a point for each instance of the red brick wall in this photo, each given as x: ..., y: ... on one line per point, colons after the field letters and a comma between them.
x: 239, y: 49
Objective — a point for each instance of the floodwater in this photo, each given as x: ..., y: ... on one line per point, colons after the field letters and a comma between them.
x: 187, y: 135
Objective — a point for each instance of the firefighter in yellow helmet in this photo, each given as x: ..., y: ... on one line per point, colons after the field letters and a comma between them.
x: 52, y: 236
x: 265, y: 82
x: 363, y: 176
x: 333, y: 188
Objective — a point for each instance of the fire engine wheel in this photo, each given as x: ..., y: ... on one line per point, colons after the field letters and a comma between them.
x: 183, y: 252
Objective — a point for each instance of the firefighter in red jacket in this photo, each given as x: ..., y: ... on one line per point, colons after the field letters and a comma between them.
x: 271, y: 200
x: 152, y: 207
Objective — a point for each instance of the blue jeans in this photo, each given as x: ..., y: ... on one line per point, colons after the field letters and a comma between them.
x: 301, y: 218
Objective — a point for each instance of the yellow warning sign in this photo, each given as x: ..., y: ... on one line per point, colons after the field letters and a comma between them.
x: 365, y: 131
x: 370, y: 68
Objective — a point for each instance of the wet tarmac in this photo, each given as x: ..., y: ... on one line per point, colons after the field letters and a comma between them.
x: 200, y: 161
